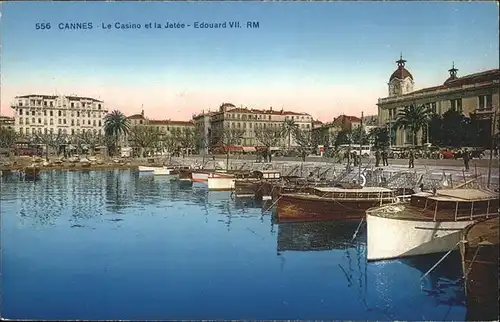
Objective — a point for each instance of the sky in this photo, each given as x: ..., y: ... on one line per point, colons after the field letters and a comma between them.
x: 323, y: 58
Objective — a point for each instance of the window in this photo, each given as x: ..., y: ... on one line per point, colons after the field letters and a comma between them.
x: 51, y: 104
x: 99, y: 123
x: 64, y: 121
x: 78, y: 114
x: 45, y: 131
x: 58, y: 121
x: 99, y: 106
x: 489, y: 101
x: 32, y: 120
x: 51, y: 122
x: 21, y: 130
x: 88, y: 122
x: 72, y: 131
x: 20, y: 111
x: 20, y: 121
x: 72, y: 122
x: 59, y: 113
x: 51, y: 131
x: 20, y: 103
x: 456, y: 105
x: 32, y: 112
x: 433, y: 107
x: 44, y: 103
x: 51, y: 113
x: 72, y: 105
x: 77, y: 122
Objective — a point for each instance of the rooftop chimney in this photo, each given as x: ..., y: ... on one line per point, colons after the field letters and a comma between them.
x: 142, y: 112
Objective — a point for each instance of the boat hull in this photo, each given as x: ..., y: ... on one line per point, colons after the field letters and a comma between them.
x: 219, y: 183
x: 147, y: 169
x: 389, y: 238
x: 199, y: 176
x: 480, y: 268
x: 246, y: 188
x: 293, y: 208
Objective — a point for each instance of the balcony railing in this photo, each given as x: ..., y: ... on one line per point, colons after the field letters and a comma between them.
x: 485, y: 110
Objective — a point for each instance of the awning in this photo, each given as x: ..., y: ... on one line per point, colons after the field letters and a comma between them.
x: 249, y: 149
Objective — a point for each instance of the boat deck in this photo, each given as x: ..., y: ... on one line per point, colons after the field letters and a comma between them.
x: 484, y: 232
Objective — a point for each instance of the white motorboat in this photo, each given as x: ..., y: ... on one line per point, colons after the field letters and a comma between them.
x: 429, y: 223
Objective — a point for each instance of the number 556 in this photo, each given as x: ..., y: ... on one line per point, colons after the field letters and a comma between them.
x: 42, y: 26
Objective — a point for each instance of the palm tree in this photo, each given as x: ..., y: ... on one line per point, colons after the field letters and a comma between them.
x: 116, y: 124
x: 413, y: 118
x: 289, y: 128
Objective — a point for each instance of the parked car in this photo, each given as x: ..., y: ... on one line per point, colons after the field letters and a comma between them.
x: 475, y: 153
x: 446, y: 154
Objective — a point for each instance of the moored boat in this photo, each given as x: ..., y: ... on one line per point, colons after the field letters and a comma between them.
x: 220, y: 181
x: 146, y: 169
x: 251, y: 186
x: 31, y: 172
x: 331, y: 203
x: 480, y: 268
x: 429, y: 223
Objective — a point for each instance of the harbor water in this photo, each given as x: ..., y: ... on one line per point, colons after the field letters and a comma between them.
x: 119, y: 245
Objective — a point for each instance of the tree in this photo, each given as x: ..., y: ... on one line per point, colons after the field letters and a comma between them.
x: 435, y: 130
x: 229, y: 137
x: 52, y: 140
x: 8, y: 137
x: 289, y: 128
x: 91, y: 140
x: 144, y: 138
x: 413, y: 118
x: 380, y: 138
x: 303, y: 138
x: 268, y: 137
x: 116, y: 124
x: 359, y: 136
x: 343, y: 137
x: 187, y: 137
x: 454, y: 128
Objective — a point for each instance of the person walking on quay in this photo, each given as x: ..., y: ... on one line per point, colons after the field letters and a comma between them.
x: 377, y: 158
x: 411, y: 159
x: 466, y: 157
x: 385, y: 162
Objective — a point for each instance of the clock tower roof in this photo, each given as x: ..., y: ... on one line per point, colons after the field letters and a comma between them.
x: 401, y: 73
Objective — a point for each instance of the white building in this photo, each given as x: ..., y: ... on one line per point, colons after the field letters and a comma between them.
x: 58, y: 114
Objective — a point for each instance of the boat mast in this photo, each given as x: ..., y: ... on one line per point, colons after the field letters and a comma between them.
x: 493, y: 122
x: 360, y: 147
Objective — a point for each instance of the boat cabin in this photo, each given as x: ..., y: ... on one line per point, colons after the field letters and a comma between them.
x: 267, y: 174
x: 354, y: 193
x: 460, y: 204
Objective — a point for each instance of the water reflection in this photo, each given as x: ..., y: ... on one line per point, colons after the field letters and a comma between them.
x: 309, y: 236
x: 153, y: 235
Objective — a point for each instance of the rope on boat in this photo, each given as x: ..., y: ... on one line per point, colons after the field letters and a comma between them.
x: 276, y: 201
x: 439, y: 261
x: 357, y: 229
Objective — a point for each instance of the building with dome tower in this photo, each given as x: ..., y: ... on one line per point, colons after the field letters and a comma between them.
x: 476, y: 93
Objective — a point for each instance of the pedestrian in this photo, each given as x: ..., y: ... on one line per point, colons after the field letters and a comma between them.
x: 354, y: 159
x: 466, y: 157
x: 385, y: 162
x: 411, y: 159
x: 377, y: 158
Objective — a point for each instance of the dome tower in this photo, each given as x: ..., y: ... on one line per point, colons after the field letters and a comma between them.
x: 401, y: 81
